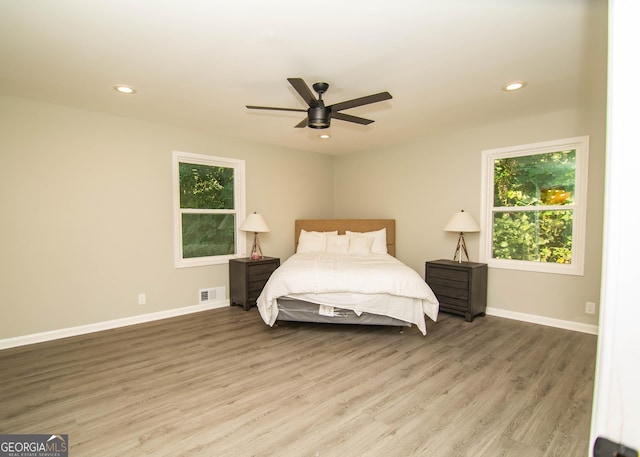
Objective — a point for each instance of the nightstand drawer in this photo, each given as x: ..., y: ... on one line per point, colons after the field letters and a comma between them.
x: 450, y: 292
x: 262, y: 270
x: 452, y: 303
x: 444, y: 284
x: 254, y: 286
x: 447, y: 274
x: 259, y: 278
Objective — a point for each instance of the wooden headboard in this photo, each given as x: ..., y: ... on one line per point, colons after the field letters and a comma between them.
x: 354, y: 225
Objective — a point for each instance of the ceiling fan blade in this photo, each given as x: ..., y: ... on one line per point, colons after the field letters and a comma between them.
x: 302, y: 123
x: 349, y: 118
x: 276, y: 109
x: 301, y: 87
x: 361, y: 101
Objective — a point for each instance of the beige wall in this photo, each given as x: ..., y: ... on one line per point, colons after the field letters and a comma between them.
x: 423, y: 183
x: 87, y: 217
x: 87, y: 210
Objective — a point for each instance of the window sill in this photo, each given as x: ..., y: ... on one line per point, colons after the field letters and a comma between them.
x: 538, y: 267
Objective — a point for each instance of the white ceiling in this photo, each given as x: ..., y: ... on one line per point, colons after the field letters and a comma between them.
x: 197, y: 63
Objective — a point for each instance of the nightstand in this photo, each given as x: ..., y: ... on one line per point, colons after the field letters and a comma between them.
x: 461, y: 288
x: 247, y: 279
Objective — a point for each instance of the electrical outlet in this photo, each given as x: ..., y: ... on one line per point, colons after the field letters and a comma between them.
x: 142, y: 299
x: 590, y: 307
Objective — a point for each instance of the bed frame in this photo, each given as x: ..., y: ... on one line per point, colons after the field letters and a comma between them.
x: 301, y: 311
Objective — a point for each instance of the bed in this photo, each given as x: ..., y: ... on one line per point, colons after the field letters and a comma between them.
x: 345, y: 271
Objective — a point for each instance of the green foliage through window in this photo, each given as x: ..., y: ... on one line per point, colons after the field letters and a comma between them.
x: 207, y: 235
x: 206, y: 186
x: 533, y: 197
x: 535, y: 236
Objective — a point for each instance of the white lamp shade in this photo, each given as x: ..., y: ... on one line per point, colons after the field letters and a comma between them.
x: 254, y: 223
x: 462, y: 222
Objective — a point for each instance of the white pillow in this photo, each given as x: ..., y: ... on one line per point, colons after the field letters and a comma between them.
x: 360, y: 245
x: 337, y: 244
x: 380, y: 240
x: 313, y: 241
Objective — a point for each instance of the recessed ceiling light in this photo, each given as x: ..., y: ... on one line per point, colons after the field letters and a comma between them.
x: 325, y: 136
x: 516, y: 85
x: 121, y: 88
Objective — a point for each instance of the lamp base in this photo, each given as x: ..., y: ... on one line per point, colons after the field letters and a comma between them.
x: 462, y: 246
x: 256, y: 250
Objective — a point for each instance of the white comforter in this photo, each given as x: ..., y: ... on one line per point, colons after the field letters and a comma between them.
x: 377, y: 284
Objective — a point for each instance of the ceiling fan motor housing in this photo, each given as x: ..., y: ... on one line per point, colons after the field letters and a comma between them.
x: 319, y: 117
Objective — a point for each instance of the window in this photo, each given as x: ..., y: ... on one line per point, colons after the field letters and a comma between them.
x: 534, y: 206
x: 208, y: 200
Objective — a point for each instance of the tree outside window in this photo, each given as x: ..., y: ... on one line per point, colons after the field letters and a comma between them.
x: 535, y: 206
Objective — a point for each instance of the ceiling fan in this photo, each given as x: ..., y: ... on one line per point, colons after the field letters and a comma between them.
x: 318, y: 115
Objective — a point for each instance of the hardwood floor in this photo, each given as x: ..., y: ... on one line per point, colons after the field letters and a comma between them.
x: 222, y: 383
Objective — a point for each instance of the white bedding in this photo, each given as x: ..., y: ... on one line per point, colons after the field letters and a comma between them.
x: 376, y: 284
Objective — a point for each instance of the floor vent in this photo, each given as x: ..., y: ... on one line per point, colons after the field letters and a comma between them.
x: 211, y: 294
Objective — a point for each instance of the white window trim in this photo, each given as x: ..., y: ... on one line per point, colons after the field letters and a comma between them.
x: 239, y: 200
x: 581, y: 145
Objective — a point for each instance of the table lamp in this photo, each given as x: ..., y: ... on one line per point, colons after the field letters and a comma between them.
x: 256, y: 224
x: 461, y: 222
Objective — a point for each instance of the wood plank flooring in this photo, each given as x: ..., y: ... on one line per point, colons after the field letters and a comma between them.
x: 222, y: 383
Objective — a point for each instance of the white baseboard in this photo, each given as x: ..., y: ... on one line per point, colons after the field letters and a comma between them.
x: 548, y: 321
x: 7, y: 343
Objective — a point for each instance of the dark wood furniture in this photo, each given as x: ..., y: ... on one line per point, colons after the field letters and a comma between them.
x: 461, y: 288
x: 247, y: 279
